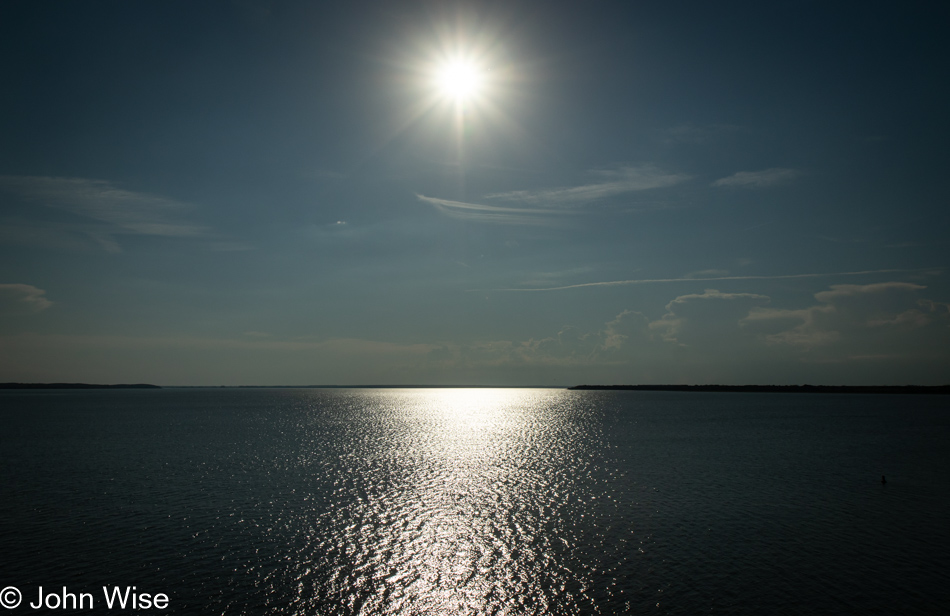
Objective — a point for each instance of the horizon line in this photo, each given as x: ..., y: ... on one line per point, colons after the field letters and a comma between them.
x: 643, y: 386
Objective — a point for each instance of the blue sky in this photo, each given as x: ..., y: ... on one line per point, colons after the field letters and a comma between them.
x: 641, y: 192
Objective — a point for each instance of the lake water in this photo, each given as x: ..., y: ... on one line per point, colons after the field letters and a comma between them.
x: 479, y: 501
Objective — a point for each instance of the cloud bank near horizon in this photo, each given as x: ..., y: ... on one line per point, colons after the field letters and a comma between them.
x: 880, y: 333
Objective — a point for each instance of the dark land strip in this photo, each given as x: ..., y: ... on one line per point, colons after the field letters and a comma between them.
x: 74, y: 386
x: 784, y: 389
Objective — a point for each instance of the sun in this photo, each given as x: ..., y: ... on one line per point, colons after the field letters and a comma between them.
x: 459, y: 80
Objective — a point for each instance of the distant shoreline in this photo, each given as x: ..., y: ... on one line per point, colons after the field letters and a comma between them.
x: 148, y: 386
x: 785, y: 389
x: 75, y: 386
x: 793, y: 389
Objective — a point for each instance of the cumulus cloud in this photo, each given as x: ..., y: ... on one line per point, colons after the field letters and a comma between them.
x: 22, y: 298
x: 570, y: 346
x: 758, y: 179
x: 628, y: 328
x: 860, y: 319
x: 612, y: 182
x: 106, y: 209
x: 708, y: 318
x: 874, y: 333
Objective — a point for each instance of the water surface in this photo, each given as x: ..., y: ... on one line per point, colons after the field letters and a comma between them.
x: 480, y: 501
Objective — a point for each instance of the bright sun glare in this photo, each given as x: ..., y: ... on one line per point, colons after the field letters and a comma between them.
x: 459, y: 80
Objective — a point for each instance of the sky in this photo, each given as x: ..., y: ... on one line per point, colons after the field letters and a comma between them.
x: 282, y: 193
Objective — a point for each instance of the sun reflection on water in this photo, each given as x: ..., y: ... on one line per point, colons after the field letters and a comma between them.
x: 467, y: 511
x: 343, y: 502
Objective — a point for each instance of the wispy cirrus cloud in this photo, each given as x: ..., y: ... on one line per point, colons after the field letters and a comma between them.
x: 546, y: 279
x: 107, y: 209
x: 705, y: 274
x: 612, y: 182
x: 758, y: 179
x: 477, y: 212
x: 693, y: 278
x: 22, y: 298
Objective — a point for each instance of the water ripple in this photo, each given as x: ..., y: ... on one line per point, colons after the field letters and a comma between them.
x: 480, y: 501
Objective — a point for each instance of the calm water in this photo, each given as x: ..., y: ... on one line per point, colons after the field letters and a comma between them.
x: 506, y: 501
